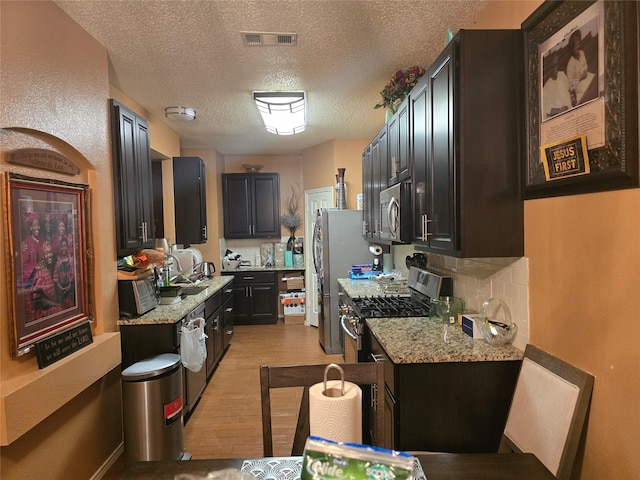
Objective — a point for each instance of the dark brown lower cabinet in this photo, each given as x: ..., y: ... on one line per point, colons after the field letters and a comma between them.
x: 456, y: 407
x: 255, y: 298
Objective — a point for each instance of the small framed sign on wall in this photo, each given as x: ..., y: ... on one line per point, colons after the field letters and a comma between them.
x: 581, y: 101
x: 47, y: 251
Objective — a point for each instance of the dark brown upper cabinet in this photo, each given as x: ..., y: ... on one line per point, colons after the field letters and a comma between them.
x: 399, y: 167
x: 466, y: 123
x: 251, y: 204
x: 190, y: 195
x: 133, y: 193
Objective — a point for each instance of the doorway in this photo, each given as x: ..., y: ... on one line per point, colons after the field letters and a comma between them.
x: 313, y: 200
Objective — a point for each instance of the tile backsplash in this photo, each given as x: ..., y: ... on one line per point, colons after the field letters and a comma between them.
x: 476, y: 280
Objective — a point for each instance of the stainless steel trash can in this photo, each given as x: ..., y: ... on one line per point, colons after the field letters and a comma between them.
x: 152, y: 409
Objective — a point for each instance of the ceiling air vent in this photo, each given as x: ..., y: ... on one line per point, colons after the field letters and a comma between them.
x: 263, y: 39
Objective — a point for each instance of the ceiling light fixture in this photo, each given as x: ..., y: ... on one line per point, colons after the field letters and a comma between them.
x: 283, y: 113
x: 183, y: 114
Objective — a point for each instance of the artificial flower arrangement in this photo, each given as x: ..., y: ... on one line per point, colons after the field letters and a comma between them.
x: 292, y: 219
x: 396, y: 89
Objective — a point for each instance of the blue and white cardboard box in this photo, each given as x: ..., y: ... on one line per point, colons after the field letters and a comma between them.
x: 469, y: 325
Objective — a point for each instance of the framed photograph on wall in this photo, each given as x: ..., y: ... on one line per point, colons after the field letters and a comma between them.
x: 46, y: 245
x: 581, y: 98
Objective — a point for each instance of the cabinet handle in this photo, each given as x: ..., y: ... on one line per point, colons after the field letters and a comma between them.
x: 425, y: 227
x: 229, y: 290
x: 248, y: 278
x: 377, y: 358
x: 364, y: 227
x: 143, y: 231
x: 204, y: 232
x: 228, y: 310
x: 374, y: 397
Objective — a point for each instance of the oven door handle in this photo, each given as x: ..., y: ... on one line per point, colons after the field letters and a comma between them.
x: 377, y: 358
x: 346, y: 330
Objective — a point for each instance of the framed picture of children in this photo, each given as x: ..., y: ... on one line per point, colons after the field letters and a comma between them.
x: 581, y: 89
x: 47, y: 251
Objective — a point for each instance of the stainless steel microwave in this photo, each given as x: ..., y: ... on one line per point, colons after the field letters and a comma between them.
x: 395, y: 213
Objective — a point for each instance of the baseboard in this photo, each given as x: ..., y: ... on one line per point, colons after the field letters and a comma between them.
x: 106, y: 466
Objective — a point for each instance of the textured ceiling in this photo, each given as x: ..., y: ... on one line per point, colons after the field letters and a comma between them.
x: 190, y: 53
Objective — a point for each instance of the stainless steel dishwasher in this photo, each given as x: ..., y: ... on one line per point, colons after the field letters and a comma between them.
x: 195, y: 382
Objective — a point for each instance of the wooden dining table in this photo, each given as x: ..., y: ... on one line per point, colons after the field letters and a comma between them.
x: 437, y: 466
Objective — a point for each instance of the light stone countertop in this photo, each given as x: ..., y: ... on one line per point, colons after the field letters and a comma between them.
x: 421, y: 340
x: 173, y: 313
x: 258, y: 268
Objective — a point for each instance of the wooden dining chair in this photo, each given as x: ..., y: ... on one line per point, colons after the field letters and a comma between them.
x: 548, y: 412
x: 271, y: 377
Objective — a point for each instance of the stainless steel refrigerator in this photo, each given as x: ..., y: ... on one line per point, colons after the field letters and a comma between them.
x: 337, y: 245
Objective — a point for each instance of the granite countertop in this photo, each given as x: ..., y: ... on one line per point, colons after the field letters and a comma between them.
x: 259, y: 268
x: 421, y: 340
x: 173, y: 313
x: 374, y: 287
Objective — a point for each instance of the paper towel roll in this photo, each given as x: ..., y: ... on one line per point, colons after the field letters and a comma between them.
x: 336, y: 418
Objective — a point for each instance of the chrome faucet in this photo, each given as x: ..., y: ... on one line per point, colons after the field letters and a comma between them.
x: 179, y: 267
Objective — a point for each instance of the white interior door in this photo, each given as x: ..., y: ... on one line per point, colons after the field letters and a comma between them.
x: 313, y: 200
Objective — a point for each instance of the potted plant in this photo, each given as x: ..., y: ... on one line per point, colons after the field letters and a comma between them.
x: 397, y: 89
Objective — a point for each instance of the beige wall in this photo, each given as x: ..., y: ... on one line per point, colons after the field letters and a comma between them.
x: 584, y: 275
x: 321, y: 165
x: 67, y: 417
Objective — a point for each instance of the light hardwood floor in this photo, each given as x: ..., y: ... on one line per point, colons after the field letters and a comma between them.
x: 227, y: 421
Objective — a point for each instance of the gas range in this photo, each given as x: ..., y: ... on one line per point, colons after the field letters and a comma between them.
x: 423, y: 285
x: 381, y: 307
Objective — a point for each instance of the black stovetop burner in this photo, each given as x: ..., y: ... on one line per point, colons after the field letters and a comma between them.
x: 382, y: 307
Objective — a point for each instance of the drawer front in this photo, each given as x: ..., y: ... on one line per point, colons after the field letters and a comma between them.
x: 255, y: 277
x: 212, y: 303
x: 379, y: 354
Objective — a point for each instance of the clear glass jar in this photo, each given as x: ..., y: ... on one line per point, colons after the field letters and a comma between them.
x: 446, y: 309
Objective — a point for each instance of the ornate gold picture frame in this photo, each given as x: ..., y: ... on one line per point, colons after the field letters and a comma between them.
x: 46, y: 248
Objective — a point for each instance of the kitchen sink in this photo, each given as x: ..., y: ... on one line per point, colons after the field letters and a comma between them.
x: 191, y: 289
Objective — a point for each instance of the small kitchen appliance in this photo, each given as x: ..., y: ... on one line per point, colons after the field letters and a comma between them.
x: 137, y: 296
x: 377, y: 257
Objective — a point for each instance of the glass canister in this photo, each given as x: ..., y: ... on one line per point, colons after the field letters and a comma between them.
x: 279, y: 253
x: 446, y: 309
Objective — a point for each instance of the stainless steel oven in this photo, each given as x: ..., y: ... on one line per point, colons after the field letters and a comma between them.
x: 351, y: 330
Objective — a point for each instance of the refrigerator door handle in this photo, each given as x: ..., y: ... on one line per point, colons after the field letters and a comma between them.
x: 315, y: 253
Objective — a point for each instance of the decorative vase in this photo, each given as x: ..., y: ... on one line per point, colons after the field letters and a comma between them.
x: 388, y: 115
x: 291, y: 243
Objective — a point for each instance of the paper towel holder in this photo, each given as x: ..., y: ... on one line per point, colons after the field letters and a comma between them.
x: 333, y: 392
